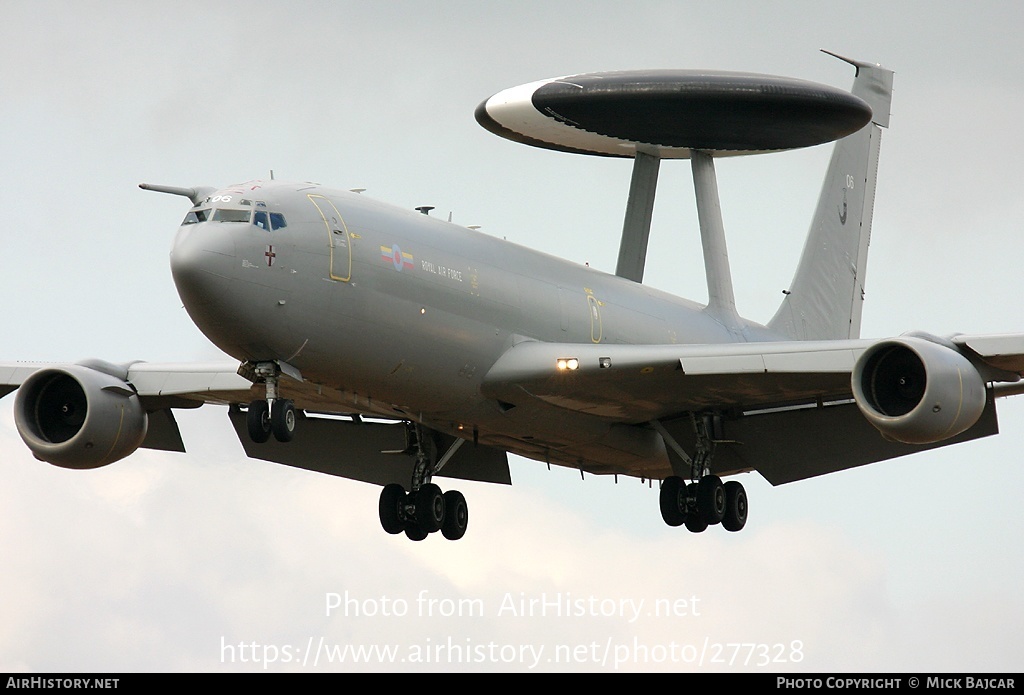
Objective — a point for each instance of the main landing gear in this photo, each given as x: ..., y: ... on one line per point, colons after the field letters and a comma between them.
x: 707, y: 500
x: 425, y: 509
x: 271, y: 416
x: 703, y: 503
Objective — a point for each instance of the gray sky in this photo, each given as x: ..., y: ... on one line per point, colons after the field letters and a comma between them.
x: 161, y: 561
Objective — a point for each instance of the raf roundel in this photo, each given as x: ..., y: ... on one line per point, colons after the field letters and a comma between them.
x: 673, y: 112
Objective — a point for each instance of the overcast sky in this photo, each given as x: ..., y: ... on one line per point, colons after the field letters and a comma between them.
x: 171, y: 562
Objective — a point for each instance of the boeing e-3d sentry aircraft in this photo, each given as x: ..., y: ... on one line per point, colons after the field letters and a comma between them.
x: 391, y: 347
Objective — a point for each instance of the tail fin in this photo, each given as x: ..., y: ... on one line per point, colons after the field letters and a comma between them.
x: 824, y: 301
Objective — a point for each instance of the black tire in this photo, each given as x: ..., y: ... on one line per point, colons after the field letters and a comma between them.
x: 456, y: 515
x: 413, y: 531
x: 711, y: 499
x: 257, y: 421
x: 429, y: 508
x: 282, y: 420
x: 695, y: 524
x: 735, y: 506
x: 672, y: 500
x: 392, y: 499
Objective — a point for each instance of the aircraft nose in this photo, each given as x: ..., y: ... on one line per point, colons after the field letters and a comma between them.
x: 202, y: 259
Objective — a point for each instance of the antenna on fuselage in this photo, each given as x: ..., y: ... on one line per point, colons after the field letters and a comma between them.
x: 636, y: 227
x: 425, y: 209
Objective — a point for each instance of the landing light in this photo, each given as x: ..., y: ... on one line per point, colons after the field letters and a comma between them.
x: 567, y: 363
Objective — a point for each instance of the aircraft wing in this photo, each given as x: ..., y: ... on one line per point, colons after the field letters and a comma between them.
x: 187, y: 384
x: 788, y: 408
x: 354, y: 448
x: 1002, y: 351
x: 212, y: 382
x: 12, y: 374
x: 640, y: 383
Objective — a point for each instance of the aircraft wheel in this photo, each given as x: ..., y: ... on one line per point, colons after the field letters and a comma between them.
x: 672, y: 500
x: 429, y: 508
x: 456, y: 515
x: 257, y: 421
x: 695, y: 524
x: 413, y: 531
x: 282, y: 420
x: 735, y: 506
x: 392, y: 498
x: 711, y: 499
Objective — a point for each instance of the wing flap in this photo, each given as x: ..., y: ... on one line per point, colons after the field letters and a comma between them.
x: 355, y: 450
x: 790, y: 445
x: 163, y: 433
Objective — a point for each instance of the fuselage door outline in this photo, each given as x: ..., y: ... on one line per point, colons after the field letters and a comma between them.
x: 337, y: 238
x: 596, y: 324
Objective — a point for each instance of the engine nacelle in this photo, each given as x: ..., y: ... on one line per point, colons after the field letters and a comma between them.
x: 74, y: 416
x: 916, y: 391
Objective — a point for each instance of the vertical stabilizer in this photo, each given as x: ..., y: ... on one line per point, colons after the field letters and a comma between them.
x: 826, y: 296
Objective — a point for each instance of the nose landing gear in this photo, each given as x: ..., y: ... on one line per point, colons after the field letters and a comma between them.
x: 271, y: 416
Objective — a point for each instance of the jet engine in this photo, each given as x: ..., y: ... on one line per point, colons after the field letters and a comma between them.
x: 917, y: 391
x: 77, y: 416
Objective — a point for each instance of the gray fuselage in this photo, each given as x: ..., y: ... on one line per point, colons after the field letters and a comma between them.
x: 403, y: 314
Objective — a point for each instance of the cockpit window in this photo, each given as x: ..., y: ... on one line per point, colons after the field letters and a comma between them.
x: 269, y: 220
x: 195, y: 216
x: 222, y: 215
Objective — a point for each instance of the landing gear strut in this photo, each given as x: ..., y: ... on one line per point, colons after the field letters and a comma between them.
x: 425, y: 509
x: 706, y: 501
x: 274, y: 415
